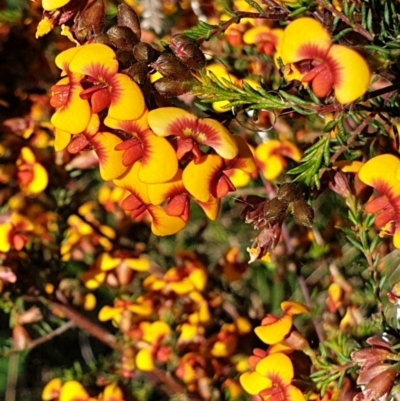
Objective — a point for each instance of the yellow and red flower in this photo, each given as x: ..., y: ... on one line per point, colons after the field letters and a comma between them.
x: 192, y: 132
x: 383, y: 173
x: 310, y: 57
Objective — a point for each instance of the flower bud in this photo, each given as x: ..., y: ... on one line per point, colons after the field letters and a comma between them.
x: 122, y: 37
x: 32, y: 315
x: 303, y: 213
x: 138, y: 72
x: 274, y: 210
x: 145, y: 52
x: 296, y: 341
x: 187, y: 51
x: 125, y: 58
x: 169, y: 88
x: 382, y: 383
x: 90, y: 21
x: 127, y: 17
x: 289, y: 192
x: 20, y: 337
x: 340, y: 185
x: 103, y: 39
x: 170, y: 67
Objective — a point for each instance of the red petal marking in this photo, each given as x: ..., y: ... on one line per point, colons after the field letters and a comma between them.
x: 183, y: 146
x: 88, y: 93
x: 392, y: 197
x: 130, y: 203
x: 276, y: 392
x: 133, y: 151
x: 179, y: 206
x: 25, y: 175
x: 100, y: 100
x: 221, y: 187
x: 60, y: 96
x: 77, y: 144
x: 268, y: 48
x: 313, y: 52
x: 196, y: 153
x: 198, y: 130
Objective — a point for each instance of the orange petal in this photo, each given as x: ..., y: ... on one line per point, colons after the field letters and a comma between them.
x: 273, y: 330
x: 50, y: 5
x: 380, y: 173
x: 64, y: 58
x: 131, y: 182
x: 73, y: 391
x: 127, y: 101
x: 211, y: 207
x: 74, y: 116
x: 294, y: 394
x: 52, y: 389
x: 293, y: 308
x: 304, y: 39
x: 96, y: 60
x: 199, y: 177
x: 276, y: 365
x: 39, y: 181
x: 159, y: 162
x: 112, y: 393
x: 244, y: 160
x: 108, y: 313
x: 110, y: 160
x: 160, y: 120
x: 163, y: 224
x: 350, y: 73
x: 159, y: 193
x: 254, y: 383
x: 144, y: 360
x: 61, y: 140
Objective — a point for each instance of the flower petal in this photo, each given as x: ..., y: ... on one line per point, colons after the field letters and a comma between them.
x: 276, y: 365
x: 380, y: 173
x: 273, y: 330
x: 144, y: 360
x: 351, y: 74
x: 52, y: 389
x: 72, y: 391
x: 127, y: 101
x: 110, y: 160
x: 198, y: 177
x: 304, y: 39
x: 293, y: 308
x: 211, y: 208
x: 159, y: 193
x: 254, y: 383
x: 164, y: 224
x: 96, y: 60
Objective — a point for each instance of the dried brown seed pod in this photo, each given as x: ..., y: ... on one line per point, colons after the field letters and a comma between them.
x: 274, y: 210
x: 127, y: 17
x: 138, y: 72
x: 167, y: 87
x: 170, y: 67
x: 145, y: 52
x: 187, y: 51
x: 122, y: 37
x: 289, y: 192
x: 90, y: 21
x: 303, y: 213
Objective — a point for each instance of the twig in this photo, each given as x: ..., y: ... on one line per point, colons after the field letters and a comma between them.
x: 41, y: 340
x: 357, y: 27
x: 352, y: 137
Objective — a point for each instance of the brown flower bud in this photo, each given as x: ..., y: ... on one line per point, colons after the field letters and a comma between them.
x: 138, y: 72
x: 365, y: 375
x: 32, y: 315
x: 20, y: 337
x: 127, y: 17
x: 124, y: 274
x: 382, y: 383
x: 340, y: 185
x: 296, y: 341
x: 103, y: 39
x: 274, y: 210
x: 170, y: 67
x: 366, y: 358
x: 90, y: 21
x: 125, y: 58
x: 187, y: 51
x: 303, y: 213
x: 145, y: 52
x: 289, y: 192
x: 169, y: 88
x: 122, y: 37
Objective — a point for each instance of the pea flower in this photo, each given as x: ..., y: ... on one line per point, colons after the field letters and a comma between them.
x: 14, y: 230
x: 156, y: 156
x: 271, y: 379
x: 192, y: 132
x: 32, y: 176
x: 267, y: 39
x: 310, y: 57
x: 383, y: 173
x: 270, y: 157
